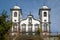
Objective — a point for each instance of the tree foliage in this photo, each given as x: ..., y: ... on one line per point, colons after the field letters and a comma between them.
x: 37, y: 36
x: 29, y: 37
x: 4, y: 25
x: 59, y: 37
x: 39, y: 31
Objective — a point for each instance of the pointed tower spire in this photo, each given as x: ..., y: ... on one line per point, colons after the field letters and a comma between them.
x: 16, y: 4
x: 44, y: 3
x: 30, y: 13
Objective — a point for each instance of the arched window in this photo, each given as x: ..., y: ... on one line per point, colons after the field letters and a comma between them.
x: 30, y: 29
x: 36, y: 27
x: 45, y: 14
x: 15, y: 14
x: 23, y: 27
x: 15, y: 27
x: 45, y: 26
x: 15, y: 24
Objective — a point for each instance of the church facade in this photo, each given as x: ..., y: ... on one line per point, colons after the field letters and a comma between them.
x: 30, y: 24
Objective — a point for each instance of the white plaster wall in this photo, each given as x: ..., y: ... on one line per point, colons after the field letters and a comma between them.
x: 42, y: 27
x: 44, y: 18
x: 35, y: 22
x: 15, y: 18
x: 13, y: 27
x: 47, y: 27
x: 26, y: 22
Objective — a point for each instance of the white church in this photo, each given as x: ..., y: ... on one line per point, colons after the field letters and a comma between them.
x: 30, y: 24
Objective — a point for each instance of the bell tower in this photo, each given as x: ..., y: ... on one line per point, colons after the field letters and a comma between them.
x: 44, y: 15
x: 16, y: 16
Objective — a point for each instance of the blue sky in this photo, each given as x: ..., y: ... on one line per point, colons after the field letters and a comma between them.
x: 33, y: 6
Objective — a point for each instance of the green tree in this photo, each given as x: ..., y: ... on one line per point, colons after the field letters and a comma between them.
x: 59, y: 37
x: 4, y: 25
x: 39, y: 31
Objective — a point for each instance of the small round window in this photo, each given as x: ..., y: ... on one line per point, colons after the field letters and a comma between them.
x: 44, y: 20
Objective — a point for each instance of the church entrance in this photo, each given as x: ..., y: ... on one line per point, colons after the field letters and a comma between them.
x: 30, y: 29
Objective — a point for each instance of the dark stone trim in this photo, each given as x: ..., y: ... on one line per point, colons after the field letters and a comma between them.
x: 15, y: 9
x: 46, y: 22
x: 43, y: 10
